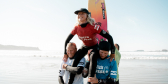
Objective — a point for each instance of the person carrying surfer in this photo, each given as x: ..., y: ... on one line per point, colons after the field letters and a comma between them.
x: 86, y: 31
x: 66, y: 68
x: 106, y: 71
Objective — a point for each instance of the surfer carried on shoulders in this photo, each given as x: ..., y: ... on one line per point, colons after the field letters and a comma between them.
x: 86, y: 31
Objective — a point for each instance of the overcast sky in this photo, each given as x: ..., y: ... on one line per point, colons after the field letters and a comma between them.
x: 133, y: 24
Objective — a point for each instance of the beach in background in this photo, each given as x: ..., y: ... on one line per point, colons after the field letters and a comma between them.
x: 41, y: 67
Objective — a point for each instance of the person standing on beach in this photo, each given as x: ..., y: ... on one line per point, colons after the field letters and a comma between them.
x: 106, y: 71
x: 67, y: 69
x: 86, y: 31
x: 117, y: 58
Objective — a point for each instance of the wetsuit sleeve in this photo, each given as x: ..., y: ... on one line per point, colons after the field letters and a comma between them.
x: 67, y: 41
x: 113, y: 69
x: 74, y: 70
x: 78, y: 69
x: 60, y: 79
x: 110, y: 40
x: 61, y: 74
x: 87, y: 67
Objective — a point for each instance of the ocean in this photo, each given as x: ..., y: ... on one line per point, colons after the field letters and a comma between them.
x: 41, y: 67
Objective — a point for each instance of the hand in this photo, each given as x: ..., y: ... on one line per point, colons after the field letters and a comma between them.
x: 65, y: 58
x: 107, y: 31
x: 112, y: 56
x: 85, y: 70
x: 93, y: 79
x: 64, y: 66
x: 88, y: 54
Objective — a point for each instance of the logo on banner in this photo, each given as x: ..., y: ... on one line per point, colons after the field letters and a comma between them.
x: 103, y: 10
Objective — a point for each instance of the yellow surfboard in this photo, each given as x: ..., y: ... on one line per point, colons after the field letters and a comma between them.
x: 98, y: 12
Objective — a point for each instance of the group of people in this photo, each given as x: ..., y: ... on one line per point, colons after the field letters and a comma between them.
x: 101, y: 68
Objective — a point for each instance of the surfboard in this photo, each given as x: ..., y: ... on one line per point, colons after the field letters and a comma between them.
x: 98, y: 12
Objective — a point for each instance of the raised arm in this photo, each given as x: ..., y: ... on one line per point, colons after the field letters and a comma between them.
x: 70, y: 36
x: 110, y: 40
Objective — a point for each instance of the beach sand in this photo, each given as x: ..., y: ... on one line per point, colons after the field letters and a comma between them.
x: 143, y: 71
x: 44, y: 70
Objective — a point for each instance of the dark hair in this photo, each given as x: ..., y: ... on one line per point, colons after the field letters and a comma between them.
x: 118, y: 46
x: 104, y: 45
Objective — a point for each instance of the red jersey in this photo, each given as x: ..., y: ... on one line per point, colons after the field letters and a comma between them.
x: 87, y: 34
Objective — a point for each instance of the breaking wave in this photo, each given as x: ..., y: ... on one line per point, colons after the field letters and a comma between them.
x: 59, y: 54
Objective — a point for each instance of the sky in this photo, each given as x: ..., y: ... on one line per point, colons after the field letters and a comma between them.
x: 133, y: 24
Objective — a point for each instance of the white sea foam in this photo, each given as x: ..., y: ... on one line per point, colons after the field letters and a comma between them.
x: 142, y: 57
x: 30, y: 53
x: 59, y: 54
x: 143, y: 53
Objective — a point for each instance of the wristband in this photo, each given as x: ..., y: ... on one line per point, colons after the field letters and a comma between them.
x: 66, y: 67
x: 99, y: 81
